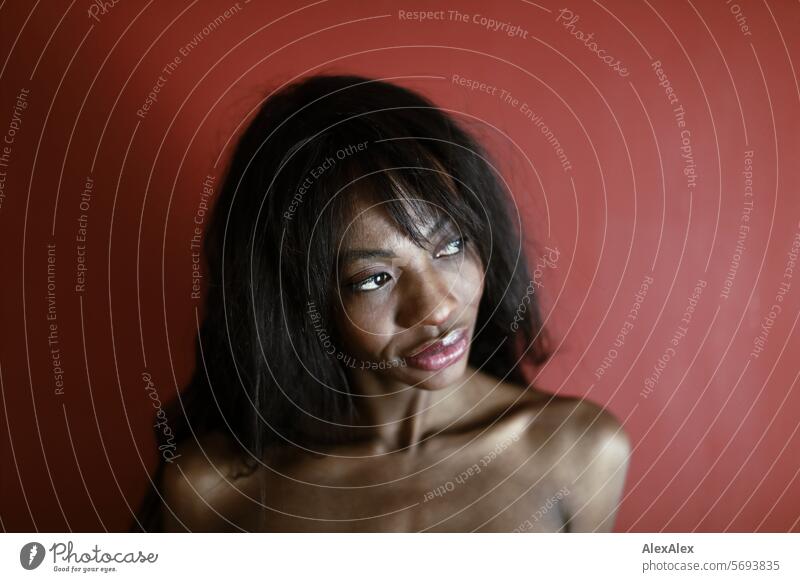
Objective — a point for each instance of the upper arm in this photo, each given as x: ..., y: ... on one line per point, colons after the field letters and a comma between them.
x: 599, y: 455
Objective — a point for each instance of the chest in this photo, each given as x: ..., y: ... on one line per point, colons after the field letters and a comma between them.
x: 497, y: 489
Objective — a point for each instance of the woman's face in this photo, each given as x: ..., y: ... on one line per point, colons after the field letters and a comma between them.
x: 407, y: 312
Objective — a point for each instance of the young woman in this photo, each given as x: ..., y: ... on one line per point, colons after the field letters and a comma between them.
x: 371, y: 324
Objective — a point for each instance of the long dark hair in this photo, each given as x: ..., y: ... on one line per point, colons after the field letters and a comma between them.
x: 262, y: 375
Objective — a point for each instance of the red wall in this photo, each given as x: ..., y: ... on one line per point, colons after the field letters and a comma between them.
x: 716, y: 443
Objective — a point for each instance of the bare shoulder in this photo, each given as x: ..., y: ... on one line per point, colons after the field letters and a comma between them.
x: 204, y: 489
x: 577, y: 424
x: 592, y: 452
x: 582, y: 424
x: 583, y: 448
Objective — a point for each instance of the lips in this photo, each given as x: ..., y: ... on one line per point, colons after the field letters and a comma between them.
x: 440, y: 353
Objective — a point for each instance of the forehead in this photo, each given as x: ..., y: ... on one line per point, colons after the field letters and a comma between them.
x: 370, y: 221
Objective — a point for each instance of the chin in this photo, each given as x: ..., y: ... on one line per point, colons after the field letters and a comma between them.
x: 436, y: 380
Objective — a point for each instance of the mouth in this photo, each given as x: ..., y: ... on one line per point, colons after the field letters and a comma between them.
x: 440, y: 353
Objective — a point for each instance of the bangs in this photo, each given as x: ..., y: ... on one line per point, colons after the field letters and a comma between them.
x: 413, y: 184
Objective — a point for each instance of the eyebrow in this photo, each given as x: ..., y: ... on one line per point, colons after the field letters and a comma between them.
x: 356, y: 254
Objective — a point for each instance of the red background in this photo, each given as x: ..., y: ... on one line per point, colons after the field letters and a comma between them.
x: 715, y: 444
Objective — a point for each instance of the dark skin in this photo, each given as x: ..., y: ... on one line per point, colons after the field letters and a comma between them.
x: 444, y: 449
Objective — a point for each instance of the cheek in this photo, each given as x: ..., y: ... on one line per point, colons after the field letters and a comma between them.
x: 469, y: 284
x: 365, y: 326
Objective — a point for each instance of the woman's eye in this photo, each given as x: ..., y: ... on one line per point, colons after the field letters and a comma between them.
x: 376, y: 281
x: 452, y: 248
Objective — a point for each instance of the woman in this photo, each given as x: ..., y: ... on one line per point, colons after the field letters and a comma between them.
x: 370, y: 327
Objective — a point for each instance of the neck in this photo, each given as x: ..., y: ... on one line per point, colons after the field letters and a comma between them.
x: 393, y: 415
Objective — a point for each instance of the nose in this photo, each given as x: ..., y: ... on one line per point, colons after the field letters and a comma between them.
x: 427, y: 299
